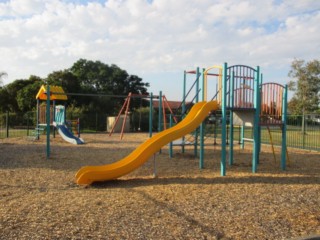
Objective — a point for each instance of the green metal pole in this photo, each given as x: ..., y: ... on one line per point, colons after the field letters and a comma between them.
x: 97, y: 121
x: 259, y: 145
x: 150, y: 115
x: 37, y: 120
x: 197, y: 84
x: 170, y: 145
x: 260, y: 84
x: 258, y: 115
x: 28, y: 123
x: 284, y: 129
x: 48, y: 121
x: 303, y: 130
x: 256, y: 140
x: 202, y: 133
x: 183, y: 110
x: 160, y: 114
x: 202, y: 127
x: 78, y: 127
x: 231, y: 118
x: 54, y: 116
x: 7, y: 124
x: 215, y: 130
x: 197, y: 100
x: 224, y: 121
x: 242, y: 136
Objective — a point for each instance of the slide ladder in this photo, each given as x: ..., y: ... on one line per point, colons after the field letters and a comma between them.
x: 35, y: 134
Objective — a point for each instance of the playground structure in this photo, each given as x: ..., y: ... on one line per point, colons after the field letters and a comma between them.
x: 54, y: 115
x: 163, y: 104
x: 61, y: 125
x: 240, y: 91
x: 244, y: 102
x: 125, y: 109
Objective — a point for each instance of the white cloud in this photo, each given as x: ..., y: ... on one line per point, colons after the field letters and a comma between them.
x: 146, y: 38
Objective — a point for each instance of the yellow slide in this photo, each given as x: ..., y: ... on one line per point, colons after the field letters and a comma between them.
x: 89, y: 174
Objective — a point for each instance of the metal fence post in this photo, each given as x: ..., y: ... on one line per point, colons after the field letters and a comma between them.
x: 303, y: 131
x: 7, y: 124
x: 27, y: 123
x: 96, y: 122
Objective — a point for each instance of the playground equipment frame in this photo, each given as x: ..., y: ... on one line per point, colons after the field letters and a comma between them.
x: 239, y: 89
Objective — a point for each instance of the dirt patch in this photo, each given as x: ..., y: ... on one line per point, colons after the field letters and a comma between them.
x: 39, y: 199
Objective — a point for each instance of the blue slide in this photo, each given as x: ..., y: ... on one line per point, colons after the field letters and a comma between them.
x: 67, y: 135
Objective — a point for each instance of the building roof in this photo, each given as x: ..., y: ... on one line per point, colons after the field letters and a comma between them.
x: 56, y: 93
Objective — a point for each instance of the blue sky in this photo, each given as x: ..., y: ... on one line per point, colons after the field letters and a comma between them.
x: 157, y: 40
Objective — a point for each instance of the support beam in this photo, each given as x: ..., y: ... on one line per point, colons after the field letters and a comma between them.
x: 224, y: 121
x: 284, y: 129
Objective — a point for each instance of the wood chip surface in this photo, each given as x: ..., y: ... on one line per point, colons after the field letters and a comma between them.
x: 39, y: 199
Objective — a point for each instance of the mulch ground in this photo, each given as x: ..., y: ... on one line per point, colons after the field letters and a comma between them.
x: 39, y: 199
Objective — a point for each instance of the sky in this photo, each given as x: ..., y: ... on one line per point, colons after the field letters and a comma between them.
x: 158, y: 39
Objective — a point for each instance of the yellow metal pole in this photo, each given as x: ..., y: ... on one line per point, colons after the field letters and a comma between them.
x: 219, y: 97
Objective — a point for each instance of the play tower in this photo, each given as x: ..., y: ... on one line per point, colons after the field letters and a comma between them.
x: 245, y: 102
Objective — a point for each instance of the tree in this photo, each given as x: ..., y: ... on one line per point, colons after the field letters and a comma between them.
x: 26, y: 97
x: 12, y: 90
x: 85, y: 76
x: 69, y: 82
x: 4, y: 99
x: 17, y: 98
x: 306, y: 84
x: 3, y: 94
x: 2, y: 75
x: 96, y: 77
x: 66, y: 79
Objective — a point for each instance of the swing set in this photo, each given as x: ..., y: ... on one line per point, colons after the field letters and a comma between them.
x: 163, y: 105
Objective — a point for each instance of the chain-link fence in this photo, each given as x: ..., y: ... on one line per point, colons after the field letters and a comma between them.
x: 17, y: 125
x: 302, y: 132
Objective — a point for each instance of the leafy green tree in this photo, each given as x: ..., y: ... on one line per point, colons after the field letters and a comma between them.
x: 69, y: 82
x: 16, y: 98
x: 12, y: 91
x: 66, y: 79
x: 2, y: 75
x: 292, y: 106
x: 26, y: 97
x: 85, y: 76
x: 306, y: 86
x: 4, y: 99
x: 96, y: 77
